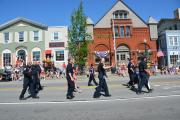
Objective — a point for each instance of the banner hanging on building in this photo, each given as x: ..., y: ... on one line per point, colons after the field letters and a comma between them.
x: 102, y: 54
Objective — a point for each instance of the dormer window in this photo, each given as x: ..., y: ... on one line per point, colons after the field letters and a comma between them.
x: 121, y: 14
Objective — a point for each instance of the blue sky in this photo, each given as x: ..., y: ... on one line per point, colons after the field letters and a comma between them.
x: 58, y: 12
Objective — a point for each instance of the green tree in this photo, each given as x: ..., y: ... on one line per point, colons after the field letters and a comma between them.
x: 78, y: 43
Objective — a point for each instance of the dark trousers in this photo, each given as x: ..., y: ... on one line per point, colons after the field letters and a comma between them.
x: 91, y: 77
x: 131, y: 77
x: 38, y: 84
x: 101, y: 87
x: 143, y: 81
x: 27, y: 83
x: 71, y: 87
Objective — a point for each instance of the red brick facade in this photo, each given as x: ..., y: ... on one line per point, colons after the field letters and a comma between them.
x: 103, y: 41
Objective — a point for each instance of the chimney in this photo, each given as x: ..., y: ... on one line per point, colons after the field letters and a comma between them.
x: 177, y: 13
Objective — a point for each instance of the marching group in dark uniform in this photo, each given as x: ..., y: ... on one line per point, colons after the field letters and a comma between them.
x: 140, y: 77
x: 32, y: 79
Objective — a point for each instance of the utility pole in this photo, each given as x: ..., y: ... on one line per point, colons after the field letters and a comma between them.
x: 114, y: 39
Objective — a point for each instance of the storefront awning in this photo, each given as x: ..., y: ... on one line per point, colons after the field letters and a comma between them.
x: 48, y: 51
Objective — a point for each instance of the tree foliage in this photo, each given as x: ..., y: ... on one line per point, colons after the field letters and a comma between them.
x: 78, y: 45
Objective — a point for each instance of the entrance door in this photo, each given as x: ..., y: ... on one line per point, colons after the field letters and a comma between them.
x: 123, y: 53
x: 22, y: 55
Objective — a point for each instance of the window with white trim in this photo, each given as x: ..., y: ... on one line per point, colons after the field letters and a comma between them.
x: 59, y: 55
x: 6, y: 37
x: 36, y: 55
x: 21, y: 36
x: 173, y: 41
x: 120, y: 14
x: 56, y: 36
x: 173, y: 59
x: 6, y: 59
x: 36, y: 35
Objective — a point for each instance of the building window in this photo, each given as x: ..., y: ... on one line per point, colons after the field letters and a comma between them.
x: 173, y: 59
x: 36, y: 55
x: 21, y: 36
x: 121, y: 31
x: 173, y: 41
x: 6, y: 59
x: 116, y: 30
x: 36, y: 35
x: 60, y: 55
x: 128, y: 31
x: 123, y: 57
x: 6, y: 37
x: 120, y: 14
x: 56, y: 36
x: 175, y: 27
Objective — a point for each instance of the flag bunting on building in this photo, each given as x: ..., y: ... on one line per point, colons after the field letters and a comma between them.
x: 102, y: 54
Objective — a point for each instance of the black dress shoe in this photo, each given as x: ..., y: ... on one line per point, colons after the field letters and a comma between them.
x: 22, y: 98
x: 35, y: 97
x: 107, y: 95
x: 90, y: 85
x: 69, y: 97
x: 150, y: 90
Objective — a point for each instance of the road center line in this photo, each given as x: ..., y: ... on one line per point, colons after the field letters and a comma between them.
x: 91, y: 101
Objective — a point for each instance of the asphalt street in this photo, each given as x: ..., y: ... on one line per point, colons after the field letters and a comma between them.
x: 125, y: 104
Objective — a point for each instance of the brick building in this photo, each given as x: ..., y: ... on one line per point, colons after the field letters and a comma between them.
x: 122, y: 33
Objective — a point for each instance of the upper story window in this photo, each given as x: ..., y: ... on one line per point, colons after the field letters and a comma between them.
x: 36, y: 35
x: 128, y: 31
x: 116, y: 30
x: 6, y: 37
x: 56, y: 36
x: 173, y: 41
x: 21, y: 36
x: 121, y: 14
x: 122, y: 31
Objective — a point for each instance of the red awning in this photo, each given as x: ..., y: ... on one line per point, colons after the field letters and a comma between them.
x: 160, y: 54
x: 48, y: 51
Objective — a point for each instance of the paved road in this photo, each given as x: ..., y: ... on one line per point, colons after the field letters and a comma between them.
x: 162, y: 104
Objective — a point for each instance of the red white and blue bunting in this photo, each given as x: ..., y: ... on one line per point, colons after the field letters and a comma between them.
x: 102, y: 54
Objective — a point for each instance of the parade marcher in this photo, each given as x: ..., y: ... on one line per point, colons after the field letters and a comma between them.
x: 144, y: 75
x: 102, y: 81
x: 38, y: 68
x: 75, y: 73
x: 28, y: 82
x: 131, y: 72
x: 91, y: 76
x: 70, y: 80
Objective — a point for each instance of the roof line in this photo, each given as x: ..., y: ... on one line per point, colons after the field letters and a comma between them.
x: 18, y: 19
x: 127, y: 7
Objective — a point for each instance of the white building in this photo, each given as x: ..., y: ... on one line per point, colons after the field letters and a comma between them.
x: 56, y: 44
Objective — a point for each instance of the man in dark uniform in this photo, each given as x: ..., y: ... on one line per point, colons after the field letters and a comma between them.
x: 38, y: 68
x: 70, y: 80
x: 35, y: 77
x: 27, y: 82
x: 144, y: 75
x: 91, y: 76
x: 102, y: 81
x: 131, y: 72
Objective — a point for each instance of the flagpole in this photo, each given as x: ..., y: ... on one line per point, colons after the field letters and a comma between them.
x: 114, y: 40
